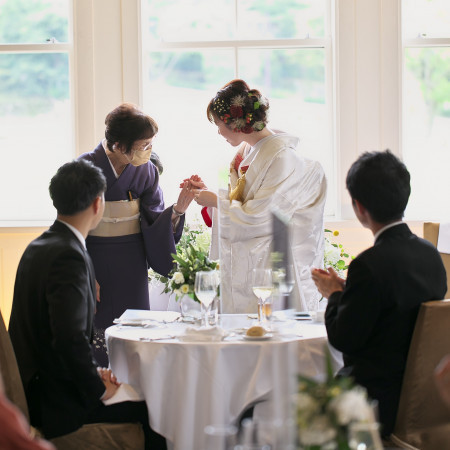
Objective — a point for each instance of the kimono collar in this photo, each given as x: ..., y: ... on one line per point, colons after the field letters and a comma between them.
x: 104, y: 145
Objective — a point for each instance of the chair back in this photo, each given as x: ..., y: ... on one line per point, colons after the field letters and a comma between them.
x: 10, y: 371
x: 423, y: 418
x: 431, y: 233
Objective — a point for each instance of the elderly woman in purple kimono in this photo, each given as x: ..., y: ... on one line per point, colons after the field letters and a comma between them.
x: 137, y: 231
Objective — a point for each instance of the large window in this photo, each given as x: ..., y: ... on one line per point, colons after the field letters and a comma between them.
x: 192, y: 48
x: 426, y: 105
x: 36, y: 134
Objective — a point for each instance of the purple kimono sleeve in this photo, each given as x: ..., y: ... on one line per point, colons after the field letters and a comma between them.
x: 160, y: 241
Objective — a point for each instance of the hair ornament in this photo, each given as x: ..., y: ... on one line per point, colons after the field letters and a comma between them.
x: 258, y: 126
x: 239, y: 100
x: 256, y: 105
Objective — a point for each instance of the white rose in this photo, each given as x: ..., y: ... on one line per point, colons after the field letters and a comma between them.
x: 319, y: 432
x: 351, y: 406
x: 203, y: 241
x: 178, y: 277
x: 184, y: 289
x: 332, y: 254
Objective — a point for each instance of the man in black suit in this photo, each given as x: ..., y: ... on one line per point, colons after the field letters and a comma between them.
x: 52, y: 316
x: 370, y: 317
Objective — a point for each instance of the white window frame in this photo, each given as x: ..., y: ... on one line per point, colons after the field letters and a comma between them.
x: 49, y: 47
x: 366, y: 52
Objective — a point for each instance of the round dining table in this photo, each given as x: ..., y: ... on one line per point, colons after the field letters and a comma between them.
x: 190, y: 379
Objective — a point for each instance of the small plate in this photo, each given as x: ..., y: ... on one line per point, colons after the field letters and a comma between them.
x: 266, y: 337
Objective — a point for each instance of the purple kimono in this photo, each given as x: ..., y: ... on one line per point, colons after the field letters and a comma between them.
x: 121, y: 263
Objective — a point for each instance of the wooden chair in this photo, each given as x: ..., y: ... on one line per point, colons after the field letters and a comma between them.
x: 423, y: 420
x: 98, y: 436
x: 431, y: 233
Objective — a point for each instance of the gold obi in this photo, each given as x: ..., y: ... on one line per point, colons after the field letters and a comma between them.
x: 237, y: 193
x: 119, y: 219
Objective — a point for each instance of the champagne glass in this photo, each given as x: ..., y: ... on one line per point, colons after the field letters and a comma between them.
x: 262, y: 285
x: 205, y: 288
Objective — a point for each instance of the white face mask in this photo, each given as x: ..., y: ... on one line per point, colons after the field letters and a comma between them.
x: 140, y: 157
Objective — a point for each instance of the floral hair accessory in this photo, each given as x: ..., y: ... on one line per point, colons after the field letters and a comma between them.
x: 235, y: 115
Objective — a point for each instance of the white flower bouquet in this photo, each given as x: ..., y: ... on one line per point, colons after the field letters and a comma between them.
x: 334, y: 254
x: 326, y: 410
x: 191, y: 257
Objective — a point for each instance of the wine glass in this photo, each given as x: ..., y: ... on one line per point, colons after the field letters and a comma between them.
x: 205, y: 288
x: 262, y: 285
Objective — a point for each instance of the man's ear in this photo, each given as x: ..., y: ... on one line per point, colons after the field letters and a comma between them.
x: 97, y: 203
x: 359, y: 207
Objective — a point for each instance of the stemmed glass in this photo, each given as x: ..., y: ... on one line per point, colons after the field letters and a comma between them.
x: 205, y: 287
x: 262, y: 285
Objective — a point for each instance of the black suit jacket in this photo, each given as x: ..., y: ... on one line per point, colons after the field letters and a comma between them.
x: 51, y: 329
x: 373, y: 319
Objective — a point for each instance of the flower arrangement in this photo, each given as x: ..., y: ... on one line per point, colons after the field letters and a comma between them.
x: 326, y: 410
x: 334, y: 254
x: 191, y: 257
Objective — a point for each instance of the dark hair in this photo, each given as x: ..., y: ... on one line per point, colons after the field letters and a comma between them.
x: 381, y: 183
x: 242, y: 109
x: 127, y: 124
x: 75, y: 186
x: 154, y: 158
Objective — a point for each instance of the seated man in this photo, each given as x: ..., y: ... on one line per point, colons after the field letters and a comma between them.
x: 52, y: 316
x: 370, y: 317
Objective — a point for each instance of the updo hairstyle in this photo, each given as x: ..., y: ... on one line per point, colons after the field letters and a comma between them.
x: 242, y: 109
x: 127, y: 124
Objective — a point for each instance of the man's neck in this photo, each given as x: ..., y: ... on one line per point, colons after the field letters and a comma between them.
x: 78, y: 221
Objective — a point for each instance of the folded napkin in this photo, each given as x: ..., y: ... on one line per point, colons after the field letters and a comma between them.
x: 192, y: 334
x: 443, y: 243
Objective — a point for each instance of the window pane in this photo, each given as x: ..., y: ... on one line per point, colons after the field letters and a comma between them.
x: 294, y: 83
x: 190, y: 20
x: 426, y: 17
x: 280, y: 19
x: 426, y: 121
x: 33, y: 21
x: 177, y: 90
x: 35, y: 131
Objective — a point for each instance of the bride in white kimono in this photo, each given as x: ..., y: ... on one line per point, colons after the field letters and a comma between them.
x: 266, y: 173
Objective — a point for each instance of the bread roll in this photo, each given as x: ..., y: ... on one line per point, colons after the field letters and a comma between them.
x: 256, y: 331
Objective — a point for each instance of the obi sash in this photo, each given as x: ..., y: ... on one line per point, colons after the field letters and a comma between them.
x: 119, y: 219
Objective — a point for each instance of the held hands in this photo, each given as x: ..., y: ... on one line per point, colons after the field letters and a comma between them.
x: 187, y: 193
x: 327, y: 282
x: 110, y: 382
x: 201, y: 194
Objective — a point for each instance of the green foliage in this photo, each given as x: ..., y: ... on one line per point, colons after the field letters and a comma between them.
x: 334, y: 254
x: 326, y: 409
x: 191, y: 257
x: 432, y: 69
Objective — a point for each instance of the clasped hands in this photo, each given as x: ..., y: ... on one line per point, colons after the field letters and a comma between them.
x: 200, y: 192
x: 327, y: 281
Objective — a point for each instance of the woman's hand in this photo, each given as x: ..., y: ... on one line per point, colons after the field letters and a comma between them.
x: 184, y: 199
x: 195, y: 182
x: 205, y: 198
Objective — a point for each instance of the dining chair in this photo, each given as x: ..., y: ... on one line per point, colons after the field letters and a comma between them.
x: 96, y: 436
x: 431, y: 233
x: 423, y: 419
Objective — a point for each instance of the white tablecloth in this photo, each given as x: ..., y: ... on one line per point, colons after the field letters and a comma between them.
x: 188, y: 385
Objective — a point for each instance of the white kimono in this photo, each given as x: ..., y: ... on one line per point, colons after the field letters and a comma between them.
x: 276, y: 176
